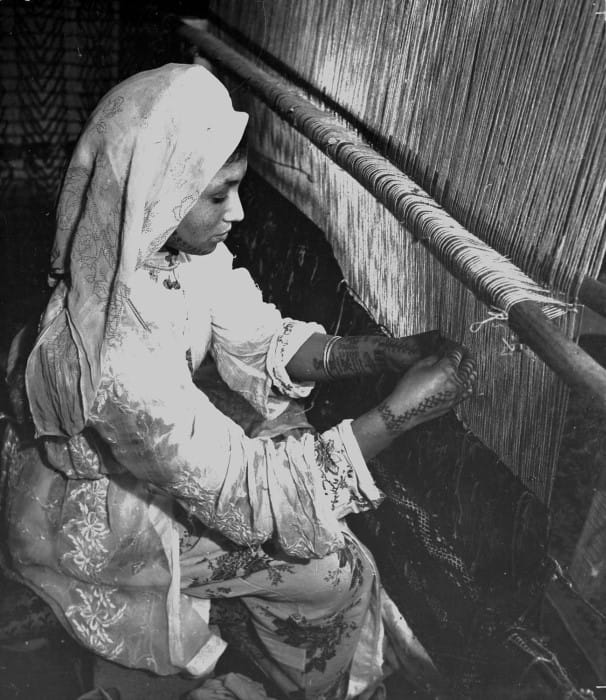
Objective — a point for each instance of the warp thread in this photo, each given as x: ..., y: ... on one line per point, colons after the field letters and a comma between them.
x: 495, y: 111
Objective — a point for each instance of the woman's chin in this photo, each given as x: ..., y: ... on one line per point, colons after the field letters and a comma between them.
x: 209, y: 247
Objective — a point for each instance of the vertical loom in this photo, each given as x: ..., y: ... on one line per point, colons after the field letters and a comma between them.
x: 473, y: 131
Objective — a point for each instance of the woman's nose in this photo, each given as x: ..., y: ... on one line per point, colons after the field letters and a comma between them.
x: 234, y: 211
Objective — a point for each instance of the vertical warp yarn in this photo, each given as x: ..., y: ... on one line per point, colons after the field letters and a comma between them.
x: 486, y: 123
x: 495, y: 108
x: 520, y: 403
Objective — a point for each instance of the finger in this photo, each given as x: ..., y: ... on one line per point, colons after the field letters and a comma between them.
x: 454, y: 357
x: 467, y: 367
x: 471, y: 385
x: 468, y: 360
x: 463, y: 396
x: 471, y: 382
x: 467, y: 381
x: 471, y: 369
x: 428, y: 361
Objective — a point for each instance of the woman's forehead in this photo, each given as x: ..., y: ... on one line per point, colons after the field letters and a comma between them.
x: 230, y: 173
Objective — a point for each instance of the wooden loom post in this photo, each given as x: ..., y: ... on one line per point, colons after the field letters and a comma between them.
x: 593, y: 294
x: 574, y: 366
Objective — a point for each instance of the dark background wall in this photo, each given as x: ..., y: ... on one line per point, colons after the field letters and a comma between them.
x: 57, y: 58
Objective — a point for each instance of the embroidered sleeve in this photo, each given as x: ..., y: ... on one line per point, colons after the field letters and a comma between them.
x: 252, y: 343
x: 345, y: 476
x: 282, y: 348
x: 166, y: 432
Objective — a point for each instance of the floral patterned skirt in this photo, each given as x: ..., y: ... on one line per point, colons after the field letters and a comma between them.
x: 308, y: 615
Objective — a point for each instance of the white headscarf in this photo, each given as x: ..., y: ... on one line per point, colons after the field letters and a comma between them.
x: 146, y: 154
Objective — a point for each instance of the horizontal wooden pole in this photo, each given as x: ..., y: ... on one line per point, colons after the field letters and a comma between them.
x: 570, y: 362
x: 574, y: 366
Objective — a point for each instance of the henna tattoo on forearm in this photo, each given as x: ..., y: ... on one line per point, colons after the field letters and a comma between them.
x: 351, y: 342
x: 396, y: 423
x: 350, y: 363
x: 359, y: 355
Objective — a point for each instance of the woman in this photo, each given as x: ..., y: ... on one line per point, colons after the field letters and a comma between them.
x: 138, y: 500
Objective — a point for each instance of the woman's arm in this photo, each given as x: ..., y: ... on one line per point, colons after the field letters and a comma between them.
x: 353, y: 356
x: 431, y: 386
x: 427, y: 391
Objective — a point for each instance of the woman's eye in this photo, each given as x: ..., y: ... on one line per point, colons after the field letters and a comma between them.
x: 219, y: 198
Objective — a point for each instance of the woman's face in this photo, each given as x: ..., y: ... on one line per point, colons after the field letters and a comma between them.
x: 208, y: 222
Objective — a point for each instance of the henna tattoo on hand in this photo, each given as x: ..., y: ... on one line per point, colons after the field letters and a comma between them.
x: 397, y: 354
x: 395, y: 423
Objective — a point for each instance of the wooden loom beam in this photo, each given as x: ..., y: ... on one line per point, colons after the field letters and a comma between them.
x: 574, y: 366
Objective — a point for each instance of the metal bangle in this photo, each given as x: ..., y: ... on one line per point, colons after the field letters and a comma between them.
x: 326, y: 356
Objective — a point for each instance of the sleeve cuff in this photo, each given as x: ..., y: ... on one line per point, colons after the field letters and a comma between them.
x: 366, y: 484
x: 365, y: 487
x: 283, y: 347
x: 346, y: 479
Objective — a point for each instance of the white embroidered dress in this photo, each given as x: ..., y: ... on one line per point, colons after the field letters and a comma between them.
x: 121, y: 436
x: 110, y: 566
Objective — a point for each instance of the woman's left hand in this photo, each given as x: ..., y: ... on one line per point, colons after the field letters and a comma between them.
x: 402, y: 353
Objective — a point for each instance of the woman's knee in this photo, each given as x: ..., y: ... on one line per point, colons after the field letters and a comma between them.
x: 330, y: 583
x: 338, y: 578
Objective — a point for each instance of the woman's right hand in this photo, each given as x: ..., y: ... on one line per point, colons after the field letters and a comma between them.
x: 429, y: 389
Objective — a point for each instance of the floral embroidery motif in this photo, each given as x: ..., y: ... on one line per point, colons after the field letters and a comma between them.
x: 89, y: 528
x: 114, y: 313
x: 340, y: 480
x: 241, y: 563
x: 72, y: 195
x: 202, y: 503
x: 238, y: 564
x: 219, y: 592
x: 320, y: 640
x: 337, y: 474
x: 84, y: 457
x: 281, y: 383
x: 350, y: 556
x: 149, y: 211
x: 183, y: 207
x: 276, y: 573
x: 94, y: 616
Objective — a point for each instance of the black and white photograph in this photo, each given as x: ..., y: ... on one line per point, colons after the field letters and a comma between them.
x: 303, y: 350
